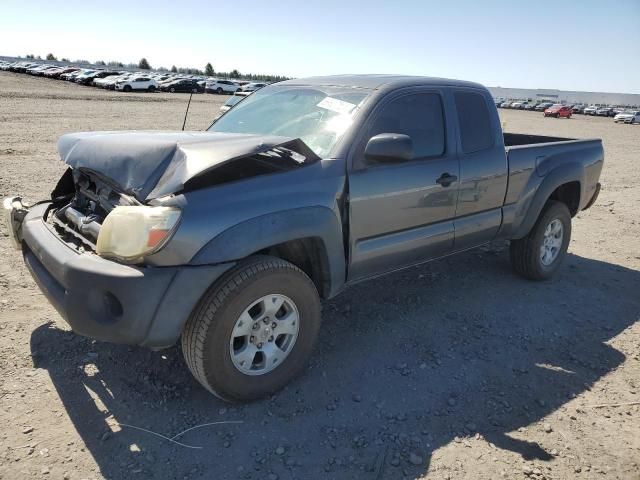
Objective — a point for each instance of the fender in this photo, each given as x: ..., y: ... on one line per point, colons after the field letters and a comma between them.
x: 530, y: 210
x: 261, y: 232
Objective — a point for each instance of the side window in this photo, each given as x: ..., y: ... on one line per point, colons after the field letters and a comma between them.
x: 475, y: 123
x: 418, y: 116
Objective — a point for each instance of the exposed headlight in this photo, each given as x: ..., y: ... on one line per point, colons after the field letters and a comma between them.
x: 130, y: 233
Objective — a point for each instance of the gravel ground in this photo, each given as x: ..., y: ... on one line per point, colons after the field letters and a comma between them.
x: 456, y: 369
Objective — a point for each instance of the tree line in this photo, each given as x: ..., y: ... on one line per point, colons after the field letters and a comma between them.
x: 143, y: 64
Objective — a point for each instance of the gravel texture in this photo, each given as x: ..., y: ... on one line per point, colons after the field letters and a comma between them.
x: 453, y: 370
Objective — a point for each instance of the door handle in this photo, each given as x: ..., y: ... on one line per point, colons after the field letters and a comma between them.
x: 446, y: 179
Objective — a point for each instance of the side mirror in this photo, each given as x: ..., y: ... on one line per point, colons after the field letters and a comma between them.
x: 389, y: 147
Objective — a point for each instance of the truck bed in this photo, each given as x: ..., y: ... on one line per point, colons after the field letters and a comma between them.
x: 532, y: 158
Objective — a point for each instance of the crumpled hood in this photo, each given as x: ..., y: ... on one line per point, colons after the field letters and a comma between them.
x: 151, y: 164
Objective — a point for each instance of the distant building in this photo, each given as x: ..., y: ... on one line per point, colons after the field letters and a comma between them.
x: 566, y: 96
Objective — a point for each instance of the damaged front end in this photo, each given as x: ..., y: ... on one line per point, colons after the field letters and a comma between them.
x: 80, y: 203
x: 90, y: 214
x: 103, y: 203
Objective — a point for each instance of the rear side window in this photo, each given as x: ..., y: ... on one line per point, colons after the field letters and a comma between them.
x: 418, y: 116
x: 475, y: 123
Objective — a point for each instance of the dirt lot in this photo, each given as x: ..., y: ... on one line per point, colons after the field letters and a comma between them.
x: 457, y: 369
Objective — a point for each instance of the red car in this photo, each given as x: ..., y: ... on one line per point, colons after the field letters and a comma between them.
x: 558, y: 111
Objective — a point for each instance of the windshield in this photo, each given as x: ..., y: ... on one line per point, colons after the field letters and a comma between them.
x: 319, y: 116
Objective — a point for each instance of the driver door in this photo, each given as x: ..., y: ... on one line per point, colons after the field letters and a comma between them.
x: 401, y: 213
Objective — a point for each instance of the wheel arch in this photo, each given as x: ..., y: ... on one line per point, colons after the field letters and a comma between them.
x: 308, y: 237
x: 565, y: 184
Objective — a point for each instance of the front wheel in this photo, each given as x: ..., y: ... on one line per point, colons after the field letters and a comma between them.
x: 538, y: 255
x: 219, y: 90
x: 151, y: 88
x: 127, y: 88
x: 254, y: 330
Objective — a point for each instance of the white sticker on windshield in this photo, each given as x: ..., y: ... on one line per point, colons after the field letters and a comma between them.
x: 335, y: 105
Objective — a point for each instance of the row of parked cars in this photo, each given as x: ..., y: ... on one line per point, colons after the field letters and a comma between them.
x: 557, y: 110
x: 127, y: 81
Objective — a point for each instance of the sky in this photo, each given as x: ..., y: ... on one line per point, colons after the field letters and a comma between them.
x: 588, y: 45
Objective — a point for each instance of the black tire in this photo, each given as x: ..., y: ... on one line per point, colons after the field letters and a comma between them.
x: 219, y: 91
x: 194, y: 90
x: 172, y: 90
x: 207, y: 333
x: 151, y: 88
x: 127, y: 88
x: 525, y: 252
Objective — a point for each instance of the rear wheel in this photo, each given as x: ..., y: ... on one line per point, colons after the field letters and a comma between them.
x: 127, y: 88
x: 219, y: 90
x: 254, y: 331
x: 538, y: 255
x: 172, y: 90
x: 151, y: 88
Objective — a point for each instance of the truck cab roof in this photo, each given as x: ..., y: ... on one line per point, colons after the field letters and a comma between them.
x: 376, y: 81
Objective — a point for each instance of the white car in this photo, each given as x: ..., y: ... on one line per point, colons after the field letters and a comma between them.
x: 222, y: 86
x: 252, y: 87
x: 630, y: 116
x: 137, y: 83
x: 591, y: 110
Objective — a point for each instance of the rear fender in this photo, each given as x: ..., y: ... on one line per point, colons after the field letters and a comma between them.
x: 531, y: 205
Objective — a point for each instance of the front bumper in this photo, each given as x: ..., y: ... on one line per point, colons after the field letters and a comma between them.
x: 109, y: 301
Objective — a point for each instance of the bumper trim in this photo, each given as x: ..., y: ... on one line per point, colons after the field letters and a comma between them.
x: 594, y: 197
x: 14, y: 212
x: 109, y: 301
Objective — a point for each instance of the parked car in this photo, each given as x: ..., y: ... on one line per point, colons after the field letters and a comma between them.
x: 59, y: 72
x: 136, y: 83
x: 82, y: 77
x: 227, y: 239
x: 77, y: 77
x: 22, y: 67
x: 558, y: 111
x: 222, y: 86
x: 108, y: 80
x: 616, y: 110
x: 530, y: 106
x: 506, y: 104
x: 604, y: 112
x: 578, y: 108
x: 541, y: 107
x: 629, y: 116
x: 39, y: 70
x: 591, y: 110
x: 517, y: 105
x: 70, y: 76
x: 89, y: 79
x: 252, y: 87
x: 233, y: 100
x: 185, y: 85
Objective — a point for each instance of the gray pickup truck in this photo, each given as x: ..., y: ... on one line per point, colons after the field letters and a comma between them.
x: 228, y: 239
